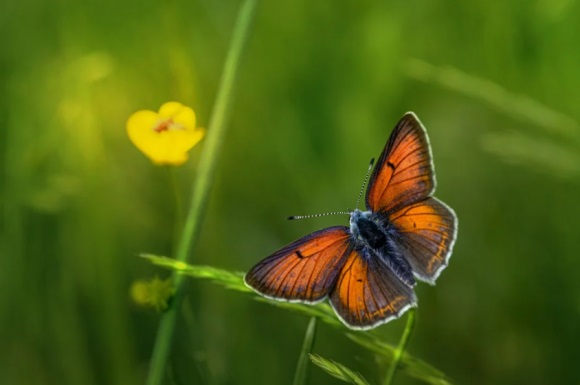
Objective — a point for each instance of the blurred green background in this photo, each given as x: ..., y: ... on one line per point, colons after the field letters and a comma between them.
x: 320, y: 88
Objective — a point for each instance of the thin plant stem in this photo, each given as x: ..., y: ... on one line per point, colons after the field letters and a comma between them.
x: 178, y: 204
x: 303, y: 361
x: 201, y: 186
x: 402, y: 345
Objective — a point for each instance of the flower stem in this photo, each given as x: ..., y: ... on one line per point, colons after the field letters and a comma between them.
x: 201, y: 185
x: 303, y: 361
x: 178, y: 206
x: 402, y: 345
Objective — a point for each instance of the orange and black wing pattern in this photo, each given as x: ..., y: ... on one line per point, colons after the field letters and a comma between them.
x: 368, y: 293
x: 426, y: 234
x: 305, y: 270
x: 404, y: 173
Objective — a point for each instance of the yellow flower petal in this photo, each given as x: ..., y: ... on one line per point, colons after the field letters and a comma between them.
x: 169, y: 109
x: 185, y: 118
x: 167, y: 136
x: 181, y: 115
x: 140, y: 129
x: 171, y: 146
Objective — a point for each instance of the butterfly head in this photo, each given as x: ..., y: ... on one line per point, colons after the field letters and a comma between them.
x: 356, y: 216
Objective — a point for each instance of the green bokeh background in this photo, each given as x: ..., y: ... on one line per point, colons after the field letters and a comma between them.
x: 320, y: 88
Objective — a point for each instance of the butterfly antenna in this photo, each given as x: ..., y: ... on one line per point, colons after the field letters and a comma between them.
x: 365, y: 182
x: 293, y: 217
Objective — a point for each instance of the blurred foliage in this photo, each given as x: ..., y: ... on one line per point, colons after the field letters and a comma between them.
x: 322, y: 84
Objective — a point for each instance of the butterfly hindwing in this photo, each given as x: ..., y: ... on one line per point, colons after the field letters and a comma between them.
x: 404, y: 172
x: 368, y: 293
x: 305, y: 270
x: 426, y: 234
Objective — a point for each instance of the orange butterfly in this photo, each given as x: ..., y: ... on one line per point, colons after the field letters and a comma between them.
x: 368, y: 270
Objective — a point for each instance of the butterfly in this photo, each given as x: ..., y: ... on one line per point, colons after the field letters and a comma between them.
x: 369, y: 269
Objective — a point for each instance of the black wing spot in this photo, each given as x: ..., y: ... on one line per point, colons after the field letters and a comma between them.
x: 299, y: 254
x: 414, y: 225
x: 392, y: 166
x: 359, y: 280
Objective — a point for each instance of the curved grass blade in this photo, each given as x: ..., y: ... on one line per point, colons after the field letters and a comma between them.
x: 369, y: 340
x: 338, y: 370
x: 412, y: 366
x: 518, y: 106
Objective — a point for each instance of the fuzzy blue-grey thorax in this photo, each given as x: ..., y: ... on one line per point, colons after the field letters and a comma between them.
x: 375, y: 237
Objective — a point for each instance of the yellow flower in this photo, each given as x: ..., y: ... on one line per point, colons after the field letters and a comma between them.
x: 154, y: 293
x: 165, y: 136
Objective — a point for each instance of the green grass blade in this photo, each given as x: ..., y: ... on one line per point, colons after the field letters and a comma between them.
x: 412, y: 366
x: 302, y: 367
x: 492, y: 94
x: 539, y: 153
x: 398, y: 354
x: 338, y: 370
x: 202, y: 182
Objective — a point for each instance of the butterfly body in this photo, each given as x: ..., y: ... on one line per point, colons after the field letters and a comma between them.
x: 373, y: 233
x: 368, y: 270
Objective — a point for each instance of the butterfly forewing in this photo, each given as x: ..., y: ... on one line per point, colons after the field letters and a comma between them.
x: 426, y: 234
x: 367, y: 293
x: 305, y: 270
x: 404, y: 172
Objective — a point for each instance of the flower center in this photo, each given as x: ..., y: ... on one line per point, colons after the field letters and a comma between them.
x: 164, y: 125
